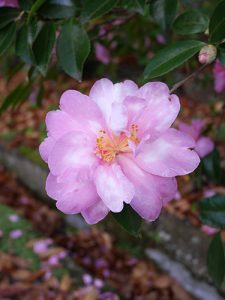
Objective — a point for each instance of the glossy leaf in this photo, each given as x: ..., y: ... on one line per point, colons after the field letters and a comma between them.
x: 211, y: 166
x: 26, y: 4
x: 24, y: 40
x: 212, y: 211
x: 73, y: 47
x: 43, y: 46
x: 135, y: 5
x: 221, y: 53
x: 20, y: 93
x: 7, y: 15
x: 171, y: 57
x: 216, y: 260
x: 37, y: 4
x: 129, y: 220
x: 191, y: 22
x: 95, y: 8
x: 55, y: 9
x: 164, y: 12
x: 7, y: 36
x: 217, y: 24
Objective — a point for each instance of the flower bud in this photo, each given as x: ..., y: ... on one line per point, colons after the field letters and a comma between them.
x: 207, y: 54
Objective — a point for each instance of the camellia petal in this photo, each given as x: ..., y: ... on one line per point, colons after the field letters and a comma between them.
x: 95, y: 213
x: 204, y: 146
x: 113, y: 187
x: 169, y: 155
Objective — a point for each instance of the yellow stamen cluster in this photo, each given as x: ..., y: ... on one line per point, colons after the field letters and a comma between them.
x: 108, y: 146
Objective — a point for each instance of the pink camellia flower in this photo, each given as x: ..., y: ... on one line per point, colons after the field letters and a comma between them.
x: 16, y: 233
x: 116, y: 146
x: 209, y: 230
x: 204, y: 145
x: 102, y: 54
x: 10, y: 3
x: 219, y: 76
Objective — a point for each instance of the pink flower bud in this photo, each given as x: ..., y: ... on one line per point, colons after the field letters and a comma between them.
x: 207, y: 54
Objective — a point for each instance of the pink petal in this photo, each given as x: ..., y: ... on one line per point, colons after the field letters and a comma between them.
x: 109, y: 97
x: 161, y: 109
x: 59, y: 123
x: 147, y: 201
x: 102, y: 53
x: 169, y: 155
x: 84, y: 112
x: 95, y: 213
x: 204, y: 146
x: 78, y: 200
x: 74, y: 151
x: 45, y: 148
x: 113, y: 187
x: 194, y: 130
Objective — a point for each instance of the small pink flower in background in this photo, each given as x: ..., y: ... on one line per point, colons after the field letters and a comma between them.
x: 116, y: 146
x: 209, y: 230
x: 98, y: 283
x: 219, y: 76
x: 160, y: 38
x: 87, y: 279
x: 102, y: 54
x: 15, y: 234
x: 13, y: 218
x: 10, y: 3
x: 41, y: 245
x: 204, y: 145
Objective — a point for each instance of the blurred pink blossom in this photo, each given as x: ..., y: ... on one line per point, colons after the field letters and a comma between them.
x: 13, y: 218
x: 204, y: 145
x: 16, y: 233
x: 11, y: 3
x: 87, y: 279
x: 209, y: 193
x: 41, y: 245
x: 98, y: 283
x: 209, y: 230
x: 219, y: 76
x: 102, y: 54
x: 160, y: 38
x: 116, y: 146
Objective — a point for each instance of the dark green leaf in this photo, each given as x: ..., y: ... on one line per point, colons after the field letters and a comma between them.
x: 37, y: 4
x: 212, y: 211
x: 7, y: 15
x: 164, y: 12
x: 135, y: 5
x: 19, y: 94
x: 211, y: 166
x: 171, y: 57
x: 73, y: 47
x: 217, y: 24
x: 26, y: 4
x: 55, y: 9
x: 24, y: 41
x: 216, y: 260
x: 191, y: 22
x: 43, y: 46
x: 221, y: 53
x: 95, y: 8
x: 129, y: 219
x: 7, y: 36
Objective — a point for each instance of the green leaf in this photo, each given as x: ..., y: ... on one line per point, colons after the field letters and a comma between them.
x: 43, y: 46
x: 164, y: 12
x: 191, y: 22
x: 73, y: 47
x: 20, y: 93
x: 135, y: 5
x: 26, y: 4
x: 217, y: 24
x: 171, y: 57
x: 129, y: 220
x: 37, y: 4
x: 216, y: 260
x: 95, y: 8
x: 211, y: 166
x: 7, y: 15
x: 212, y: 211
x: 221, y: 53
x: 55, y: 9
x: 7, y: 36
x: 24, y: 41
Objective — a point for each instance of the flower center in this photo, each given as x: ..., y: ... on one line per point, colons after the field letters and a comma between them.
x: 107, y: 147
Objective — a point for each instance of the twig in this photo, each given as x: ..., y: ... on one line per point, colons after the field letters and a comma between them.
x: 178, y: 84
